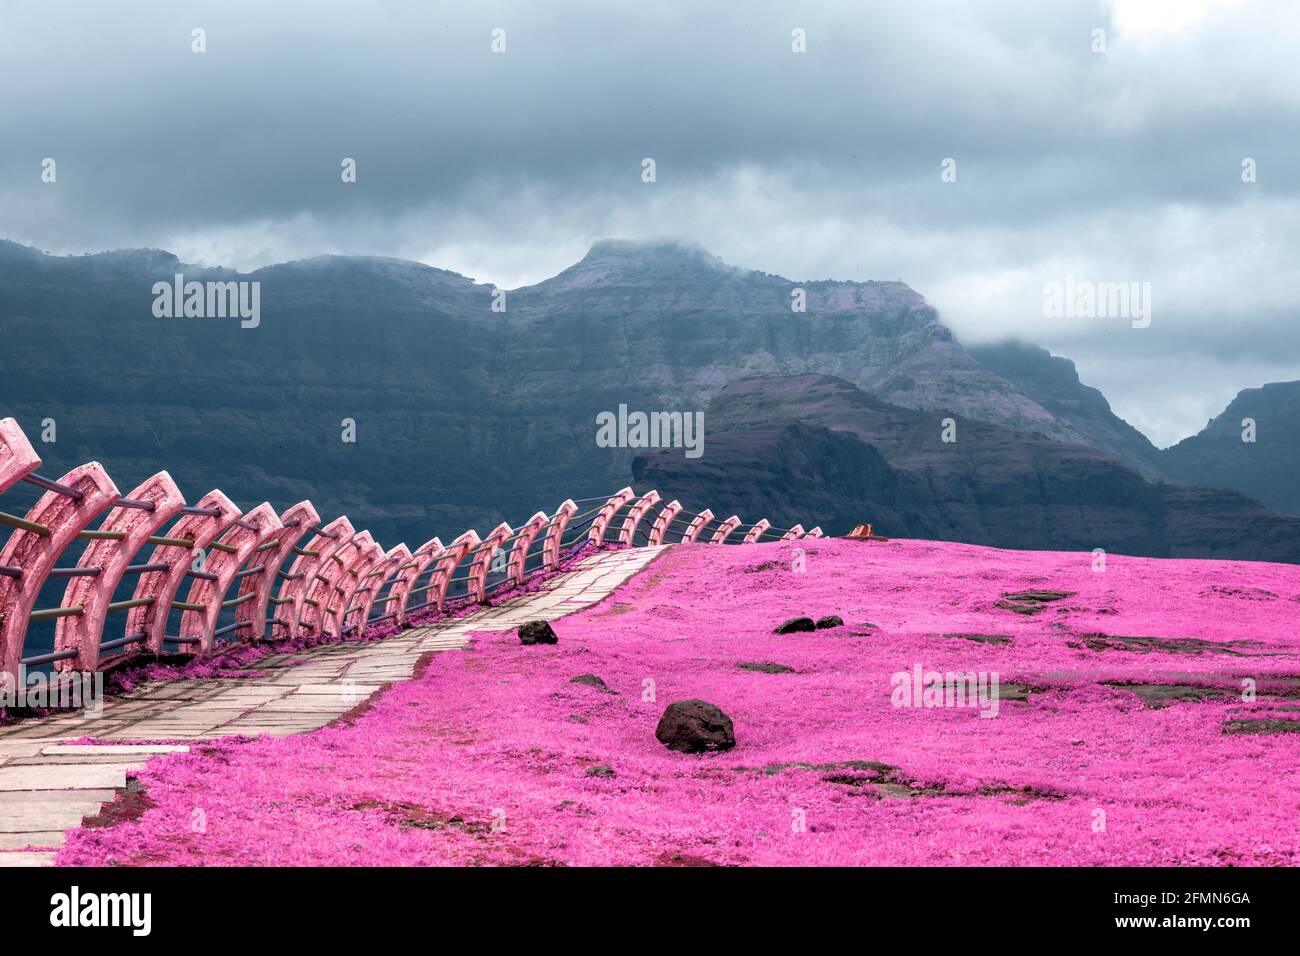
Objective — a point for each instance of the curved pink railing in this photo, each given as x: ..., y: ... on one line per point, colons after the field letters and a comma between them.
x: 337, y: 577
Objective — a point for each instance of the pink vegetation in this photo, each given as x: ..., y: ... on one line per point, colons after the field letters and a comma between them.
x: 493, y: 756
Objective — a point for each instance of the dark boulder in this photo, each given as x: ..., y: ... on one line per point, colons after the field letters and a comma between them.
x: 830, y: 620
x: 795, y: 625
x: 537, y: 632
x: 695, y: 726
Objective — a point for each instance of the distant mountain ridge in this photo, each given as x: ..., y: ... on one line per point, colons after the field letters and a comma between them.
x: 466, y: 416
x: 1267, y: 468
x: 798, y: 447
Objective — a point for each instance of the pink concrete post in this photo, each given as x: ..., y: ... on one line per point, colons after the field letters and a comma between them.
x: 409, y: 572
x: 754, y: 533
x: 696, y: 526
x: 17, y: 457
x: 634, y: 515
x: 606, y: 515
x: 793, y: 534
x: 478, y: 569
x: 379, y: 576
x: 112, y: 556
x: 724, y: 530
x: 323, y: 589
x: 814, y: 533
x: 162, y: 586
x: 272, y: 554
x: 528, y: 531
x: 454, y: 554
x: 354, y: 580
x: 291, y: 602
x: 665, y: 519
x: 224, y: 564
x: 64, y: 518
x: 555, y: 534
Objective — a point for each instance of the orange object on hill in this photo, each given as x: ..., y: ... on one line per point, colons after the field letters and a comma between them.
x: 863, y: 533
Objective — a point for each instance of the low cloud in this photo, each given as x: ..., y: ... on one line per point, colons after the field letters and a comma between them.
x: 1121, y: 165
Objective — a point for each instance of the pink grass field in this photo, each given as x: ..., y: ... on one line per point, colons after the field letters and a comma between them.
x: 485, y: 758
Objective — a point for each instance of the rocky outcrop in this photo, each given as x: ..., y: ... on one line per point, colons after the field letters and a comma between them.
x: 695, y: 726
x: 1268, y: 468
x: 1052, y: 383
x: 537, y: 632
x: 794, y: 448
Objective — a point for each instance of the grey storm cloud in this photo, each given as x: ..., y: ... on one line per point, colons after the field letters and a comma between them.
x: 1122, y: 165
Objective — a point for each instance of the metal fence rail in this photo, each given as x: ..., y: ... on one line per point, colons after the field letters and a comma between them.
x: 338, y: 581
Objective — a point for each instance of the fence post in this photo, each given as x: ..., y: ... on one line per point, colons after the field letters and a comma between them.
x: 665, y: 519
x: 295, y: 522
x: 321, y: 589
x: 606, y: 515
x: 696, y: 526
x: 292, y: 600
x: 447, y: 563
x: 519, y: 553
x: 370, y: 554
x: 555, y: 534
x: 61, y: 518
x: 422, y: 557
x: 478, y: 571
x: 380, y: 575
x: 162, y: 586
x: 112, y: 556
x: 635, y: 514
x: 264, y: 525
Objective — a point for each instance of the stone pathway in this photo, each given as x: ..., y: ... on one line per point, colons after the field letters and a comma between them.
x: 47, y: 786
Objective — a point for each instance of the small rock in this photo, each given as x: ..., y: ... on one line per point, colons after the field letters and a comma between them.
x: 591, y: 680
x: 600, y: 771
x: 765, y: 668
x: 830, y: 620
x: 796, y: 625
x: 537, y: 632
x: 695, y: 726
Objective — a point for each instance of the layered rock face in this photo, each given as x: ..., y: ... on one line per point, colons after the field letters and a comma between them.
x: 815, y: 448
x: 465, y: 416
x: 1267, y: 468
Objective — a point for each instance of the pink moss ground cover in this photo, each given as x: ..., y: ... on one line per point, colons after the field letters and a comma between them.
x: 493, y: 756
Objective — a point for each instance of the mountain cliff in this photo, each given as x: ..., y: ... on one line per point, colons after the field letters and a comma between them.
x: 814, y: 448
x: 466, y: 414
x: 1267, y: 468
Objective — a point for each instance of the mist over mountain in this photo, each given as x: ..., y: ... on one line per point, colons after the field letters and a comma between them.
x: 466, y: 415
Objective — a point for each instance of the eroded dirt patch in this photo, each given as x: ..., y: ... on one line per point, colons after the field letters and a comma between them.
x: 422, y: 818
x: 982, y: 638
x: 1097, y: 641
x: 1156, y: 696
x: 1261, y: 725
x: 766, y: 668
x: 1030, y: 602
x: 128, y: 804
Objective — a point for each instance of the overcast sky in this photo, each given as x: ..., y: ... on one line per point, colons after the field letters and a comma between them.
x: 1111, y: 166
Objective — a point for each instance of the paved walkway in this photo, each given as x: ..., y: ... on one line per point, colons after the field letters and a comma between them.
x: 47, y: 786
